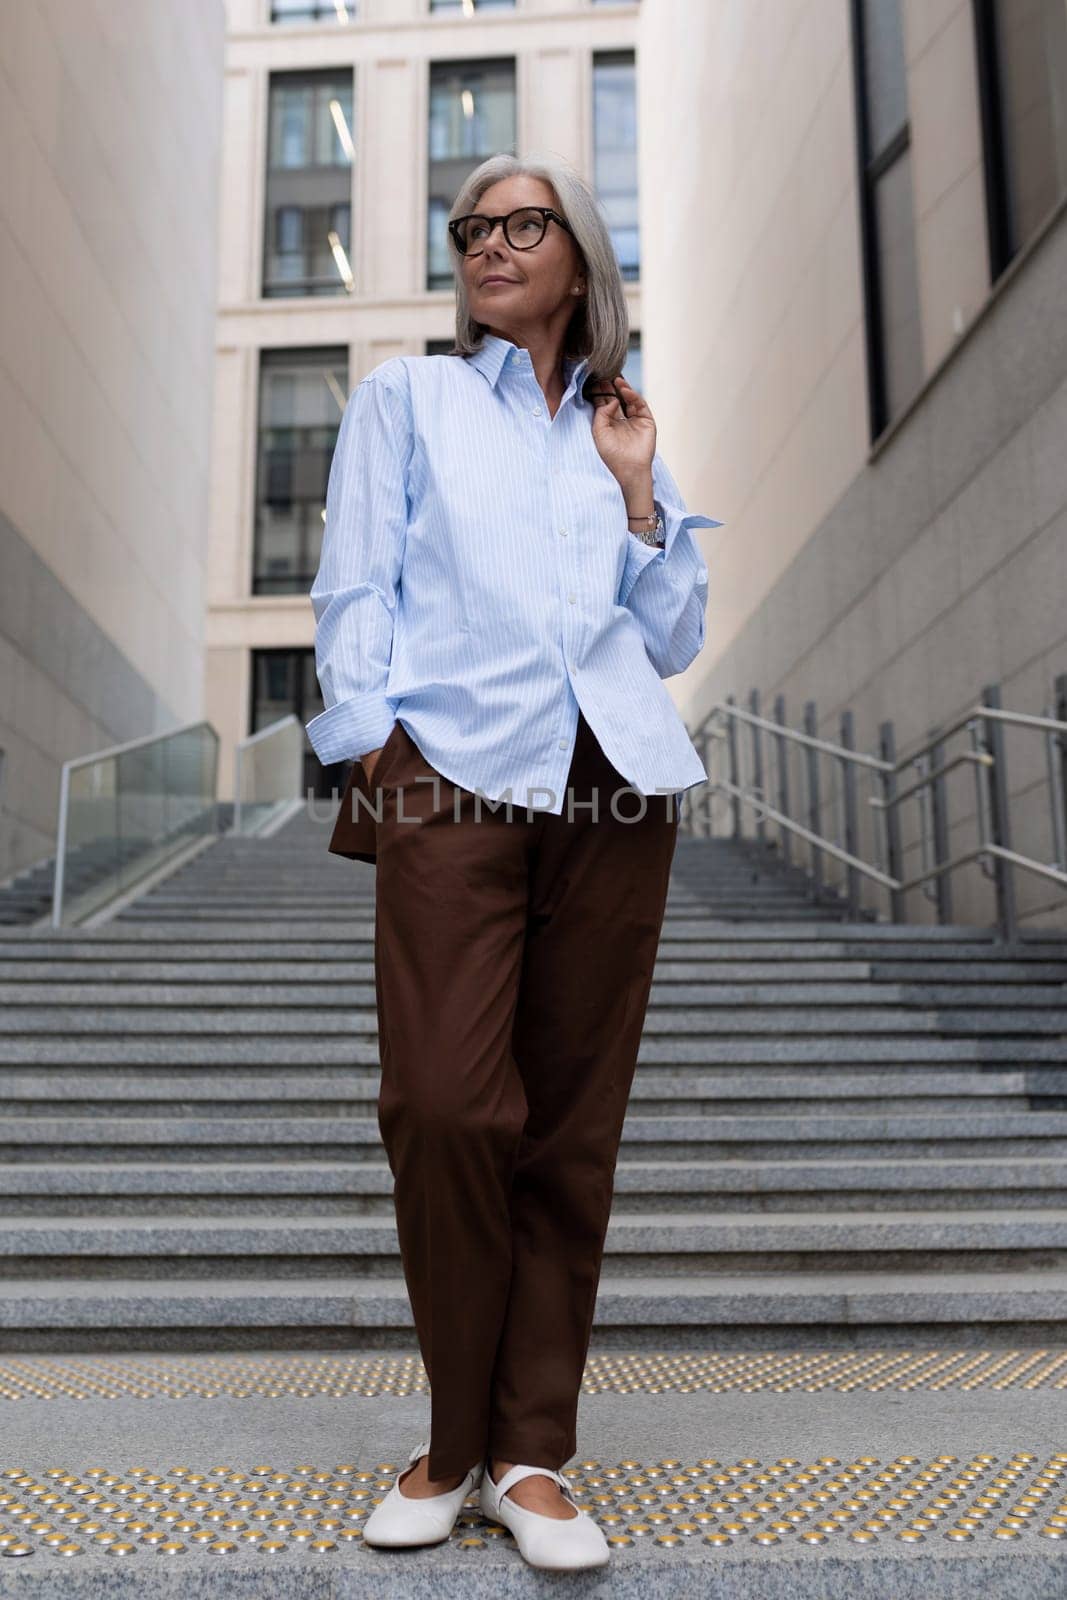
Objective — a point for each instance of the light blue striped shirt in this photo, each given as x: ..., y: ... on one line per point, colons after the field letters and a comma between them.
x: 478, y: 584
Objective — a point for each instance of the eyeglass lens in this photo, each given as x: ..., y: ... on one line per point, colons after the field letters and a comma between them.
x: 523, y: 229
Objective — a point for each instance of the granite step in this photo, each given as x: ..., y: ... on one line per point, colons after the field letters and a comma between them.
x: 293, y: 1187
x: 759, y: 1310
x: 661, y: 1244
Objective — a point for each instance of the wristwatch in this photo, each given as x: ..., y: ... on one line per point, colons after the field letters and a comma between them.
x: 654, y: 534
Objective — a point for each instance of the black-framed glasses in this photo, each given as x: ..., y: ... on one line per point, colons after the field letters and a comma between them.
x: 523, y: 229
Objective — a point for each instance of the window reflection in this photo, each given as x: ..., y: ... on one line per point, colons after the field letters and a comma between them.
x: 313, y: 10
x: 472, y: 116
x: 615, y: 152
x: 1030, y: 41
x: 302, y: 395
x: 307, y: 249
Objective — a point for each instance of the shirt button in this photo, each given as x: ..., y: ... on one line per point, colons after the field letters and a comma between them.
x: 572, y: 598
x: 536, y: 412
x: 563, y: 531
x: 563, y: 744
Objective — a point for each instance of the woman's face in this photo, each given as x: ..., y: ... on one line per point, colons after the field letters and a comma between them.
x: 540, y: 281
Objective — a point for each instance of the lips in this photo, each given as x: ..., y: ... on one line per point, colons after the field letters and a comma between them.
x: 496, y: 278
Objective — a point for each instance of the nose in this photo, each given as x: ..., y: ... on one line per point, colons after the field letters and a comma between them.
x: 497, y: 228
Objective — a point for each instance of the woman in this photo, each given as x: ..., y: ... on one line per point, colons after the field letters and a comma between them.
x: 507, y: 576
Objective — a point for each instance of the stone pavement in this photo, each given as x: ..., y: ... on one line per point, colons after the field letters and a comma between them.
x: 804, y: 1473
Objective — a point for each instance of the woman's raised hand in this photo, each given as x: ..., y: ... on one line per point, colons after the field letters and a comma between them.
x: 624, y: 431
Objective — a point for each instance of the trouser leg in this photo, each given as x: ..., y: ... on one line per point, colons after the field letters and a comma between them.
x: 449, y: 930
x: 597, y: 897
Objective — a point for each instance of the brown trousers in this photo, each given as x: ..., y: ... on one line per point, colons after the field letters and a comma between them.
x: 513, y: 963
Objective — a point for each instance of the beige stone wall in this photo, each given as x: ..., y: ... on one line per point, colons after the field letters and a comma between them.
x: 896, y: 581
x: 109, y: 125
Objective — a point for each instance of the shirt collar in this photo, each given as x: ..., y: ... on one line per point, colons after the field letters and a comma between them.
x: 495, y: 355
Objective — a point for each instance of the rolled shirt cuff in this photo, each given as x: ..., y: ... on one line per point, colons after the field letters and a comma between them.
x: 676, y: 525
x: 351, y: 728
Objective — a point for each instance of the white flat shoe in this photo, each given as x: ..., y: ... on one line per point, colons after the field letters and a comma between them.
x: 560, y: 1543
x: 400, y: 1521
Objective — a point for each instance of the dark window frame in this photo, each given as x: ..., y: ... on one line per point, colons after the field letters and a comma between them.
x: 617, y: 56
x: 325, y: 9
x: 321, y: 779
x: 295, y: 353
x: 870, y: 170
x: 443, y: 196
x: 271, y: 290
x: 1000, y: 243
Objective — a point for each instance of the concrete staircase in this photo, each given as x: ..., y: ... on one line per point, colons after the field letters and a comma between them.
x: 839, y: 1133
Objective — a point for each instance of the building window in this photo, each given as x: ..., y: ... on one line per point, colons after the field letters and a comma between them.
x: 307, y: 247
x: 615, y: 152
x: 632, y: 369
x: 285, y: 681
x: 1022, y: 78
x: 465, y: 8
x: 472, y: 115
x: 891, y: 278
x: 302, y: 395
x: 313, y: 10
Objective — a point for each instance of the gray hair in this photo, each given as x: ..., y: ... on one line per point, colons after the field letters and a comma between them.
x: 600, y: 326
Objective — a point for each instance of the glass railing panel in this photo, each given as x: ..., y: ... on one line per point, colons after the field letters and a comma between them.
x: 126, y: 811
x: 268, y: 774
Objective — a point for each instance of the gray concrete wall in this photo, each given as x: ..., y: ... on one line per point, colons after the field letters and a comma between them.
x: 896, y: 580
x: 110, y: 119
x: 943, y: 567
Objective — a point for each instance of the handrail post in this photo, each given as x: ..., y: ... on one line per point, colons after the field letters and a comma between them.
x: 61, y: 846
x: 887, y: 749
x: 1058, y: 773
x: 1000, y: 826
x: 939, y: 811
x: 732, y: 766
x: 811, y: 728
x: 848, y: 784
x: 781, y: 745
x: 757, y: 770
x: 707, y: 748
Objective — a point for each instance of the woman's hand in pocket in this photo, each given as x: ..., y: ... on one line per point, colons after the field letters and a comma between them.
x: 370, y: 761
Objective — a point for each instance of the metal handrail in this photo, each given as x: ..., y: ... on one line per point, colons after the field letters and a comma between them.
x: 994, y: 853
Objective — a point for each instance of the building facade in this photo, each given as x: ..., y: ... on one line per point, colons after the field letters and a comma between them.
x: 348, y: 131
x: 863, y: 371
x: 110, y: 124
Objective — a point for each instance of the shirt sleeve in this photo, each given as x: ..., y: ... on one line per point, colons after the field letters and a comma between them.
x: 666, y: 589
x: 355, y: 590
